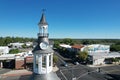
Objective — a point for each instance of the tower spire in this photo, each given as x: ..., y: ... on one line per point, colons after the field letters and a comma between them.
x: 43, y: 19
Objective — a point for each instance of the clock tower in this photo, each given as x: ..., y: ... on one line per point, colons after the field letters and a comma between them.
x: 43, y: 53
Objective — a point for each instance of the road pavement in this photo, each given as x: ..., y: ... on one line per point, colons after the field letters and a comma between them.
x: 78, y: 72
x: 113, y: 71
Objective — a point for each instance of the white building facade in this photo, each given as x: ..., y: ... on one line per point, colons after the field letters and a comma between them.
x: 98, y: 53
x: 16, y: 45
x: 4, y: 50
x: 96, y: 48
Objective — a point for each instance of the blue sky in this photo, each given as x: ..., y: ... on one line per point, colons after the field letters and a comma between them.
x: 66, y: 18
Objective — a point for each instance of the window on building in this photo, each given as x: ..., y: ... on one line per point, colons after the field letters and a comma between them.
x: 44, y: 61
x: 50, y: 60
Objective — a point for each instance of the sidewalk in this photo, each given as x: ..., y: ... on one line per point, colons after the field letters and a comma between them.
x: 22, y: 72
x: 17, y: 73
x: 55, y: 69
x: 102, y: 65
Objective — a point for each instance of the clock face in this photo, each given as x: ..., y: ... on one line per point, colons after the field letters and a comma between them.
x: 43, y: 45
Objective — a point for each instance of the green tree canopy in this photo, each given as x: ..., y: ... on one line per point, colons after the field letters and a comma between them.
x: 115, y: 47
x: 56, y: 44
x: 55, y: 59
x: 67, y: 40
x: 4, y: 41
x: 14, y: 51
x: 83, y: 55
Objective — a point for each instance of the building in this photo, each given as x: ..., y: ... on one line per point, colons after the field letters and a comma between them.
x: 43, y: 54
x: 16, y: 45
x: 4, y: 50
x: 98, y: 54
x: 21, y: 60
x: 77, y: 48
x: 96, y: 48
x: 68, y: 47
x: 103, y: 58
x: 28, y: 44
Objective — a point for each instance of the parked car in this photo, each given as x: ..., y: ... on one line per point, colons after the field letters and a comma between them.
x: 76, y: 63
x: 65, y: 64
x: 83, y: 62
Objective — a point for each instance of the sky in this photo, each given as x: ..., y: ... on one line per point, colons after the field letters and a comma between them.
x: 81, y: 19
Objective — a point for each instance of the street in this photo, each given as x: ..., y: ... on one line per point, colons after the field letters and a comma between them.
x: 113, y: 71
x: 76, y: 72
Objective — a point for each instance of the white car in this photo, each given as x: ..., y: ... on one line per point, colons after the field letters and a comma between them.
x: 76, y: 63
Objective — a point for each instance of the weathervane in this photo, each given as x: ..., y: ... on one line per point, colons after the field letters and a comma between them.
x: 43, y: 10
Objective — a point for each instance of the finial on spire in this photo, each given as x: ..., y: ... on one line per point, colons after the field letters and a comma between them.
x: 43, y: 10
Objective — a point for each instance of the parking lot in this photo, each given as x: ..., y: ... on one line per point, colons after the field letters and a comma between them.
x: 113, y: 71
x: 80, y: 72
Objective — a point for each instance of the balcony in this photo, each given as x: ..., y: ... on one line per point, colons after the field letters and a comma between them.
x: 43, y: 34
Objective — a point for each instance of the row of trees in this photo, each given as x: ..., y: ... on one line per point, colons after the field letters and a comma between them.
x: 88, y: 41
x: 6, y: 40
x: 65, y: 41
x: 115, y: 47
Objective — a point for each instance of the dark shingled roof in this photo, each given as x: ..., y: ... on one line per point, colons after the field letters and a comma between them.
x: 43, y: 20
x: 38, y: 50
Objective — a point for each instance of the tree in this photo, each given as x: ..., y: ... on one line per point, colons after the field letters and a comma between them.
x: 56, y: 44
x: 83, y: 56
x: 4, y: 41
x: 68, y: 41
x: 55, y: 59
x: 7, y: 40
x: 85, y: 42
x: 24, y: 46
x: 14, y: 51
x: 115, y: 47
x: 115, y: 60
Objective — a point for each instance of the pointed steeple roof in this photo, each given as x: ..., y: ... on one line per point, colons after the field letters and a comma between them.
x: 43, y: 20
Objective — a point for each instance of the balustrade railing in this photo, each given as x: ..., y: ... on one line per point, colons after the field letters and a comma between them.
x: 43, y: 34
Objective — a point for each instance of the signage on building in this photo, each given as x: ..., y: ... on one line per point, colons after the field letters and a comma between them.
x: 97, y: 48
